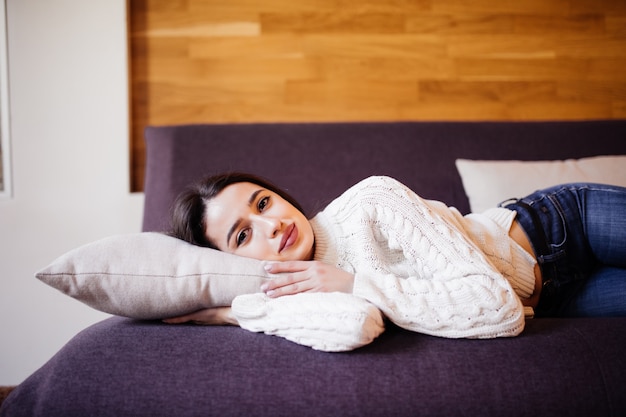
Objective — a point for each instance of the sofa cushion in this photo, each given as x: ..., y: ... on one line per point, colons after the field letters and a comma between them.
x: 122, y: 367
x: 488, y: 183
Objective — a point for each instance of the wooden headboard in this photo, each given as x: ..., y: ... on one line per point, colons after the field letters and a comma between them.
x: 235, y: 61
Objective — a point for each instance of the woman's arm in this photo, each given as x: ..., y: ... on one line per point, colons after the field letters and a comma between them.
x: 474, y: 306
x: 210, y: 316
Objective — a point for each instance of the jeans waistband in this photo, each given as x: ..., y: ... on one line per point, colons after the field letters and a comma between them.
x: 528, y: 219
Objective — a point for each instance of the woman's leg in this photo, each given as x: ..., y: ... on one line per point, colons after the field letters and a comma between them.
x: 604, y: 214
x: 603, y: 294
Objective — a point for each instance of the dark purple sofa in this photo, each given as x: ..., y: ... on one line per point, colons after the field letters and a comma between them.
x: 123, y: 367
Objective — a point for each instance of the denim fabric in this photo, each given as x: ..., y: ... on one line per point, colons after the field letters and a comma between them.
x: 578, y: 233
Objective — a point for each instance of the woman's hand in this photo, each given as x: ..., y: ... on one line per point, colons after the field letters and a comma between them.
x: 210, y: 316
x: 294, y: 277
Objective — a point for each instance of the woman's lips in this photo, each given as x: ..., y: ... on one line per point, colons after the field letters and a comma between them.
x: 289, y: 237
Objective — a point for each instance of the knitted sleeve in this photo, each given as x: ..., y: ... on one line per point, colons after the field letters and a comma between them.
x: 331, y: 322
x: 425, y: 274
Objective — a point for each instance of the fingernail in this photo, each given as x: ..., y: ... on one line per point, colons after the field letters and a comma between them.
x: 267, y: 267
x: 270, y: 293
x: 264, y: 287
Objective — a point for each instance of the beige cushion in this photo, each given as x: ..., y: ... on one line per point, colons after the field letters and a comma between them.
x: 152, y: 276
x: 488, y: 183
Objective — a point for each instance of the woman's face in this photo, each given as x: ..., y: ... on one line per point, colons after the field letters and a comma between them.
x: 248, y: 220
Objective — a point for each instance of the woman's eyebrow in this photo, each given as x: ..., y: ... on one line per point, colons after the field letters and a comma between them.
x: 238, y: 222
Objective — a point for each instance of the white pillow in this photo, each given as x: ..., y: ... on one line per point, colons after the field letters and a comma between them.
x: 152, y: 276
x: 488, y: 183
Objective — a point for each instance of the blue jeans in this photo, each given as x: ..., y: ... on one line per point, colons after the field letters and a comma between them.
x: 578, y: 233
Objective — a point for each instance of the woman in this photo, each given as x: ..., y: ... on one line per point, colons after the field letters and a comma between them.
x: 560, y: 251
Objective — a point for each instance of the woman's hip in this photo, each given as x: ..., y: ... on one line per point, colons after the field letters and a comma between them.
x: 572, y: 228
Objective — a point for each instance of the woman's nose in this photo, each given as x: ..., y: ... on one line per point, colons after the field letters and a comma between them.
x: 270, y: 225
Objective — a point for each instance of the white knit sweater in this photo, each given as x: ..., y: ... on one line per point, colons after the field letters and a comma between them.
x: 424, y: 265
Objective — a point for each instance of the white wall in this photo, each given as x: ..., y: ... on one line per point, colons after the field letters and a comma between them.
x: 69, y: 136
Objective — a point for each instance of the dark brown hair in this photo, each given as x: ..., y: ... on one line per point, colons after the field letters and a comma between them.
x: 188, y: 212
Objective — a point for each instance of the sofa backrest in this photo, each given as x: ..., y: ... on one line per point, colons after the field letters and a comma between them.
x: 315, y: 162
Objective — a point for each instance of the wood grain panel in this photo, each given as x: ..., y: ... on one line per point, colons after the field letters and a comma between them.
x: 239, y: 61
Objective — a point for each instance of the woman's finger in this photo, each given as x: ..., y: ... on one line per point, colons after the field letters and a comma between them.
x: 282, y: 281
x: 288, y: 289
x: 291, y: 283
x: 287, y: 266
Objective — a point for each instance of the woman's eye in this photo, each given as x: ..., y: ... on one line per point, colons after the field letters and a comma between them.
x: 263, y: 203
x: 242, y: 237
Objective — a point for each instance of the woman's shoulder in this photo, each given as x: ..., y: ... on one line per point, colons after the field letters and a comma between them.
x: 371, y: 189
x: 379, y: 181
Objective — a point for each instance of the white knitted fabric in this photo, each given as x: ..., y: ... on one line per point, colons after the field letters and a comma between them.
x: 417, y: 261
x: 332, y: 322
